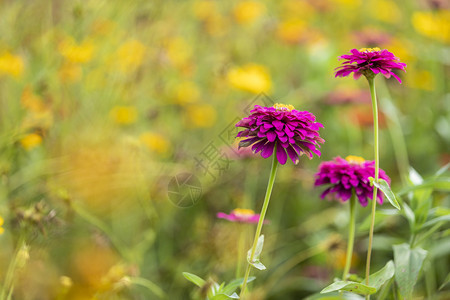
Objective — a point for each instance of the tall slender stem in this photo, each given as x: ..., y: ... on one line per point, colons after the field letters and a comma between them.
x: 377, y: 161
x: 273, y: 173
x: 351, y: 237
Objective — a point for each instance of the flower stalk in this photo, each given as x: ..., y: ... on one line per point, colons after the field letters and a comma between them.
x: 351, y: 237
x: 377, y: 161
x: 273, y: 173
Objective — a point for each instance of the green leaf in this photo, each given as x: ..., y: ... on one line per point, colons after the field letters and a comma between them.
x: 194, y: 279
x: 436, y: 220
x: 385, y: 188
x: 256, y: 262
x: 408, y: 263
x: 377, y: 279
x: 349, y: 286
x: 224, y: 297
x: 441, y: 183
x: 446, y: 281
x: 234, y: 284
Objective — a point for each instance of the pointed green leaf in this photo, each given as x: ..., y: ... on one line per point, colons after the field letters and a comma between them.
x: 446, y: 281
x: 234, y: 284
x: 377, y: 279
x: 224, y: 297
x: 349, y: 286
x: 194, y: 279
x: 408, y: 263
x: 383, y: 186
x: 256, y: 262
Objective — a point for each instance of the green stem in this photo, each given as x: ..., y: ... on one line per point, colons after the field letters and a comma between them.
x: 8, y: 286
x: 351, y: 237
x: 377, y: 161
x: 152, y: 287
x: 240, y: 252
x: 273, y: 173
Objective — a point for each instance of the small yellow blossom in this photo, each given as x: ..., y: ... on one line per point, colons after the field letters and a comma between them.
x: 124, y: 115
x: 279, y: 106
x: 435, y: 25
x: 156, y: 143
x: 66, y: 281
x: 247, y: 12
x: 1, y: 224
x: 292, y: 31
x: 12, y: 65
x: 355, y: 159
x: 130, y: 55
x: 369, y: 49
x: 252, y: 78
x: 187, y: 92
x: 201, y: 116
x: 31, y: 141
x: 76, y: 53
x: 243, y: 212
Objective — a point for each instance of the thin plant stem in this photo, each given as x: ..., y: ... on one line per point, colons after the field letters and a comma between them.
x: 241, y: 251
x: 351, y: 237
x: 273, y: 173
x: 377, y: 161
x: 8, y: 285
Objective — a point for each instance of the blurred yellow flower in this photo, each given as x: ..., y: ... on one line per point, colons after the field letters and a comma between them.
x: 423, y: 80
x: 186, y: 92
x: 386, y: 11
x: 76, y: 53
x: 348, y: 3
x: 247, y: 12
x: 251, y: 77
x: 12, y: 65
x: 200, y: 116
x: 1, y: 224
x: 156, y: 143
x: 179, y: 51
x: 124, y: 115
x: 299, y: 9
x: 130, y: 55
x: 70, y: 72
x: 291, y: 31
x: 434, y: 25
x: 31, y: 141
x: 38, y: 113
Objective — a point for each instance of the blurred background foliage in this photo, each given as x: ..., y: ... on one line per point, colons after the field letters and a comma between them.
x: 103, y: 102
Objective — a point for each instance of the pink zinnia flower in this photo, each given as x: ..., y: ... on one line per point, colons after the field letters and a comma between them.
x: 369, y: 62
x: 282, y: 126
x: 240, y: 215
x: 347, y: 175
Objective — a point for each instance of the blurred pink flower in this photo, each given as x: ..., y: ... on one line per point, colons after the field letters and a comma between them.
x: 241, y: 215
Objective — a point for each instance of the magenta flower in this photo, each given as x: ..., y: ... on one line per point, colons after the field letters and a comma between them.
x: 240, y: 215
x: 290, y: 131
x: 347, y: 175
x: 369, y: 62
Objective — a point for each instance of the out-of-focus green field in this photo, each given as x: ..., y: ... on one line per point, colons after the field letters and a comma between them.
x: 103, y: 102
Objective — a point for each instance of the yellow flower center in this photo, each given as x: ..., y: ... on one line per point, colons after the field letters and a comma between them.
x: 369, y: 49
x: 243, y: 212
x: 279, y: 106
x: 355, y: 159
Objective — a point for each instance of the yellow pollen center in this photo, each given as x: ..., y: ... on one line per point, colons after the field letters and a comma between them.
x: 243, y: 212
x: 279, y: 106
x: 369, y: 49
x: 355, y: 159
